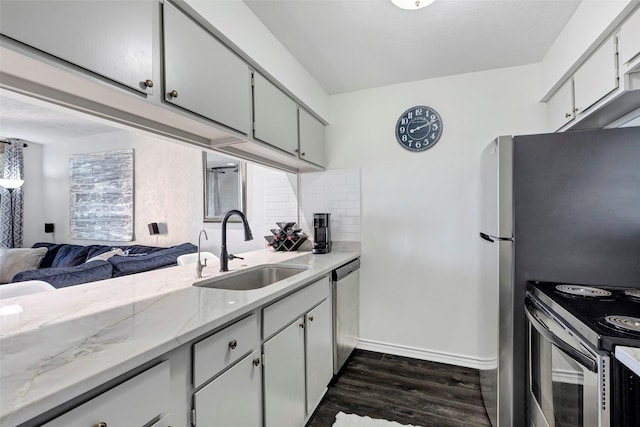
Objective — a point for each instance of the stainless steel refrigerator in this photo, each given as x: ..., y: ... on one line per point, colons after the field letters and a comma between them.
x: 561, y: 207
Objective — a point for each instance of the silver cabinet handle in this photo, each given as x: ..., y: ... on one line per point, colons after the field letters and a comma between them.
x: 173, y: 93
x: 148, y: 83
x: 233, y: 344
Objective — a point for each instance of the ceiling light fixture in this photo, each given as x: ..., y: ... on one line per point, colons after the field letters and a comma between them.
x: 412, y: 4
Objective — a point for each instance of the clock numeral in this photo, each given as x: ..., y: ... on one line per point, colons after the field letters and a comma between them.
x: 418, y: 111
x: 434, y: 126
x: 402, y: 129
x: 418, y: 145
x: 404, y: 122
x: 433, y: 136
x: 432, y: 117
x: 404, y: 138
x: 410, y: 115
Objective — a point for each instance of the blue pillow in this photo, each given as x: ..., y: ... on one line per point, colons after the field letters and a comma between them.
x: 52, y: 251
x: 125, y: 265
x: 60, y: 277
x: 71, y: 255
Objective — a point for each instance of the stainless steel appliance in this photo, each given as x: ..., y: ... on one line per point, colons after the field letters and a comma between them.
x: 346, y: 312
x: 321, y: 233
x: 573, y: 331
x: 558, y: 208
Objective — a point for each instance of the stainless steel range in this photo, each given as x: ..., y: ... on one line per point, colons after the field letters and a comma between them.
x: 574, y: 378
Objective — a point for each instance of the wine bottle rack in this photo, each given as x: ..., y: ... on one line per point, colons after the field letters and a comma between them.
x: 286, y: 237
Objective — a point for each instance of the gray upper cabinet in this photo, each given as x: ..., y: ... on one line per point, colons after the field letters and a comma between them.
x: 596, y: 77
x: 275, y: 116
x: 202, y: 75
x: 311, y: 138
x: 111, y: 38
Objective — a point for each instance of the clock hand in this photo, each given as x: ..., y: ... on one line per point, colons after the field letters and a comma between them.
x: 421, y: 126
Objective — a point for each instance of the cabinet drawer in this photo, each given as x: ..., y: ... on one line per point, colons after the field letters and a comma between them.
x: 278, y: 315
x: 213, y: 354
x: 134, y: 403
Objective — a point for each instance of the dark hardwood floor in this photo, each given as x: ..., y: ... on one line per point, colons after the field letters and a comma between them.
x: 408, y: 391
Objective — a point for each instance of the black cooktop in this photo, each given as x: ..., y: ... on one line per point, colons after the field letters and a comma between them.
x: 586, y: 308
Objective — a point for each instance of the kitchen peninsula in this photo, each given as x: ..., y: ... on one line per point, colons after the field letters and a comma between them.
x: 61, y: 350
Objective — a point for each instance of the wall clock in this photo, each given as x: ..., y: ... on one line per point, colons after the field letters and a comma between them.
x: 419, y: 128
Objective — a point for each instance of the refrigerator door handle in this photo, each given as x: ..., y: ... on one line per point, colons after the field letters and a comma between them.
x: 491, y: 239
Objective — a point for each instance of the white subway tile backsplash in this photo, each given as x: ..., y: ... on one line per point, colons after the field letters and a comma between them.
x: 336, y: 191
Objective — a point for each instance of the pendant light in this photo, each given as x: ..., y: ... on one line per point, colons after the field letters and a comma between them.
x: 11, y: 184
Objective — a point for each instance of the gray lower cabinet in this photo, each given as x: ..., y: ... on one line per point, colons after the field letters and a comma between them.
x: 319, y: 352
x: 311, y: 138
x: 202, y: 75
x: 234, y: 398
x: 275, y: 116
x: 111, y: 38
x: 136, y: 403
x: 284, y: 377
x: 298, y: 360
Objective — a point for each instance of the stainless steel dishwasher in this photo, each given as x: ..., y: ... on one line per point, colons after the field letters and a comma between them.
x: 346, y: 311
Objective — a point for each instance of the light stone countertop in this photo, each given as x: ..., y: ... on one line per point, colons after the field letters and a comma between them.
x: 57, y: 345
x: 630, y: 356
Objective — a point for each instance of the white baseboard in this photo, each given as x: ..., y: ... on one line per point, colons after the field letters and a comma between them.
x: 424, y: 354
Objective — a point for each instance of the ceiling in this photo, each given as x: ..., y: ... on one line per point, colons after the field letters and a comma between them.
x: 350, y: 45
x: 37, y: 121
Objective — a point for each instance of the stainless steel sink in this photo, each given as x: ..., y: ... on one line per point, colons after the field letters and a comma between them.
x: 253, y: 277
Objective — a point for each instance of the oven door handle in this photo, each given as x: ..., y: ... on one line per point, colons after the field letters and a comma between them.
x: 543, y: 330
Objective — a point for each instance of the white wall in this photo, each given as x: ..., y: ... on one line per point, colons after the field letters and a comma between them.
x: 240, y: 25
x: 419, y: 277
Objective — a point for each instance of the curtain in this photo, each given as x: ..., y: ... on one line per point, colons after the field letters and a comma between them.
x: 214, y: 208
x: 11, y: 201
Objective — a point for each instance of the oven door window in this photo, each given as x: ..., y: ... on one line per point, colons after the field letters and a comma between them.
x: 563, y: 390
x: 558, y: 384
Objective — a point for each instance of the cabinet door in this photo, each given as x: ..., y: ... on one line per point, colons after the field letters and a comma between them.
x: 629, y: 38
x: 275, y: 116
x: 284, y: 382
x: 110, y: 38
x: 319, y: 353
x: 202, y: 75
x: 311, y: 138
x: 234, y: 398
x: 596, y: 77
x: 560, y: 106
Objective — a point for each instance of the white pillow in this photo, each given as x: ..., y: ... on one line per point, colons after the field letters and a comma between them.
x: 16, y: 260
x: 105, y: 256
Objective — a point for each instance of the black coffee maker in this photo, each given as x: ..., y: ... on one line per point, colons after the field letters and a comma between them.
x: 321, y: 233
